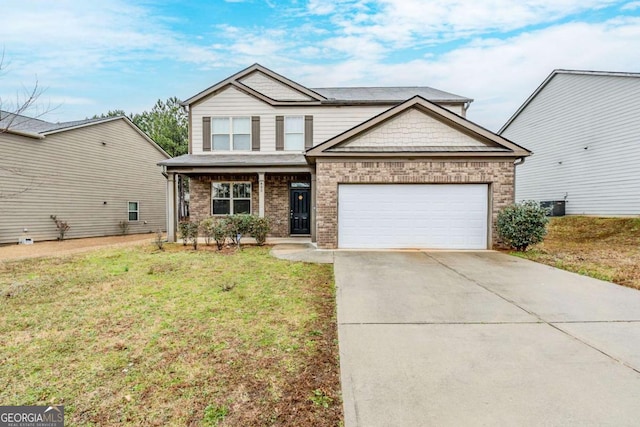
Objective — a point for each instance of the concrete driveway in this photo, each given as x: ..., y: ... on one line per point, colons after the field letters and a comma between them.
x: 483, y: 338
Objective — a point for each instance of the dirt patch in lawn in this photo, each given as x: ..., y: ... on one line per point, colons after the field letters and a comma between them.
x: 137, y: 336
x: 70, y: 246
x: 604, y: 248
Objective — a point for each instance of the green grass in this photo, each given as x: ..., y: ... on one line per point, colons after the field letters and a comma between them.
x: 604, y: 248
x: 141, y: 337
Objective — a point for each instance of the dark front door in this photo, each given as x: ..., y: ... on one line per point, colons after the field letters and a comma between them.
x: 300, y: 217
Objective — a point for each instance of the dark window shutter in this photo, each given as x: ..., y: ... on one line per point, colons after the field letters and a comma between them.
x: 255, y: 133
x: 206, y: 134
x: 308, y: 132
x: 279, y: 133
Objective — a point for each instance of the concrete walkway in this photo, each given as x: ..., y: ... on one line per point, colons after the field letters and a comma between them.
x: 483, y: 339
x: 306, y: 252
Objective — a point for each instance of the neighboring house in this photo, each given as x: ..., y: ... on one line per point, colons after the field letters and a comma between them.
x: 583, y: 127
x: 365, y: 167
x: 91, y: 173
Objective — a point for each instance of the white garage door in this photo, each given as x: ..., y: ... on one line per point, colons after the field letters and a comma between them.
x: 446, y: 216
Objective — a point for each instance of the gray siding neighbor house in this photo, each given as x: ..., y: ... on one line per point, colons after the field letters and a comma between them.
x: 91, y: 173
x: 345, y: 167
x: 584, y: 130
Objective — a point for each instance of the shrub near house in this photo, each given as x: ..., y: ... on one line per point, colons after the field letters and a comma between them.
x: 522, y: 224
x: 231, y: 227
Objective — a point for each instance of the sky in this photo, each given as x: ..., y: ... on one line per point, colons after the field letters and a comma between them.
x: 91, y: 57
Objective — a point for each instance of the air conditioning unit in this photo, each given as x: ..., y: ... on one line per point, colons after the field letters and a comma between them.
x: 554, y: 208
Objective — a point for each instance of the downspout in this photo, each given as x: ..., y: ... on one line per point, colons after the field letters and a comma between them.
x: 517, y: 162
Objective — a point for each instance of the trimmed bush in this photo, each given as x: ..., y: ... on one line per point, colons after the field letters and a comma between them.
x: 220, y: 233
x: 239, y: 224
x: 243, y: 225
x: 189, y: 232
x: 206, y: 229
x: 183, y: 231
x: 260, y: 227
x: 212, y: 228
x: 522, y: 224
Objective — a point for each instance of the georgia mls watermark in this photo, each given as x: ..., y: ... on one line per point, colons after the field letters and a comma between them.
x: 31, y: 416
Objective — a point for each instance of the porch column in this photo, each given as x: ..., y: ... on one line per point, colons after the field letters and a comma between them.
x: 313, y: 206
x: 261, y: 194
x: 171, y: 207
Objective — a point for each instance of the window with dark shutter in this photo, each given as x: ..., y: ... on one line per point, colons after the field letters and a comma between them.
x: 206, y: 134
x: 255, y: 133
x: 279, y: 133
x: 308, y: 132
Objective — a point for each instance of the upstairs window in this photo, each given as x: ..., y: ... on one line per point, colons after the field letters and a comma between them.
x: 294, y: 133
x: 231, y: 133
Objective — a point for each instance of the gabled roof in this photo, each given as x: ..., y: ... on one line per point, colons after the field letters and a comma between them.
x: 328, y: 95
x: 29, y: 125
x: 565, y: 72
x: 22, y: 124
x: 39, y: 129
x: 496, y: 145
x: 234, y: 80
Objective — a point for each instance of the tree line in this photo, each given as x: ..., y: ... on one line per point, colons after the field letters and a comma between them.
x: 166, y: 124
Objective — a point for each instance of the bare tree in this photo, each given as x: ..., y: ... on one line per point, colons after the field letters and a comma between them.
x: 10, y: 116
x: 26, y: 99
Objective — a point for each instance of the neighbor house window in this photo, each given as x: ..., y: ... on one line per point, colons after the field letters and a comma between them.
x: 294, y: 133
x: 134, y: 211
x: 230, y: 198
x: 231, y: 133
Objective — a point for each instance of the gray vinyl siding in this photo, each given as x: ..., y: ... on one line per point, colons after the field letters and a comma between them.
x: 571, y: 113
x: 71, y: 174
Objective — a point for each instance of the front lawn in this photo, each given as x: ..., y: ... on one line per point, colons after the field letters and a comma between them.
x: 604, y: 248
x: 141, y: 337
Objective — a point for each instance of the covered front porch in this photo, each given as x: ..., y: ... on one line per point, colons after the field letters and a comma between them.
x: 280, y: 187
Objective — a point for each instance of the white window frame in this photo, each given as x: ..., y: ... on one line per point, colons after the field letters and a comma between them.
x: 230, y: 134
x: 293, y: 133
x: 129, y: 211
x: 231, y: 198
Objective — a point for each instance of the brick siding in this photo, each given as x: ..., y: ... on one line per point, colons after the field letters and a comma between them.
x: 276, y: 197
x: 200, y: 193
x: 500, y: 174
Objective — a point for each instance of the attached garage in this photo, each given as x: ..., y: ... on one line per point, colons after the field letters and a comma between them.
x: 416, y: 176
x: 434, y: 216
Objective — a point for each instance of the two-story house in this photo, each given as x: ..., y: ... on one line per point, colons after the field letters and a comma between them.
x: 351, y: 167
x: 99, y: 175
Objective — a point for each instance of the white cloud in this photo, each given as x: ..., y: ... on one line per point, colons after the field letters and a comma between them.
x: 631, y: 5
x: 454, y: 45
x: 73, y: 37
x: 498, y: 74
x: 404, y: 23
